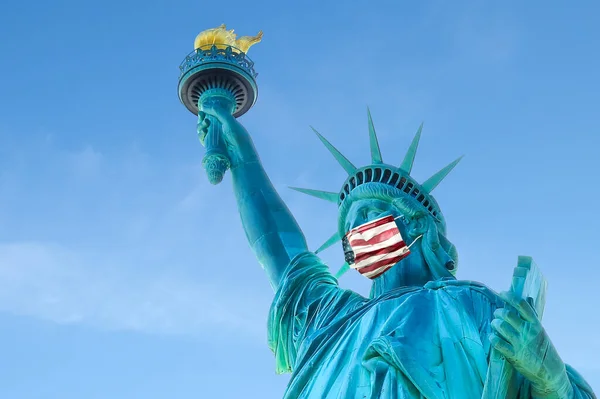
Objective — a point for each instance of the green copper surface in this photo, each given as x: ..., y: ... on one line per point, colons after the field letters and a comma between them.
x: 374, y: 143
x: 335, y: 238
x: 409, y: 158
x: 421, y: 333
x: 431, y: 183
x: 342, y: 160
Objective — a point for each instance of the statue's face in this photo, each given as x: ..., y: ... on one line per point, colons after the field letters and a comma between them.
x: 366, y: 210
x: 427, y: 261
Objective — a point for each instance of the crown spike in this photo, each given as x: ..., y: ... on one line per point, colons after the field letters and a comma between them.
x: 437, y: 178
x: 330, y: 241
x: 409, y: 158
x: 342, y: 160
x: 345, y: 267
x: 375, y: 150
x: 324, y: 195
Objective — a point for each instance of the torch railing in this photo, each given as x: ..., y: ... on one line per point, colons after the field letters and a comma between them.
x: 228, y: 54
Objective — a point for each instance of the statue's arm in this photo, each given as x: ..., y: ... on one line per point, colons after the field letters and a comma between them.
x: 271, y: 230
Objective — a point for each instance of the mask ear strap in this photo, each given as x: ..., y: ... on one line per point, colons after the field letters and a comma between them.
x: 415, y: 240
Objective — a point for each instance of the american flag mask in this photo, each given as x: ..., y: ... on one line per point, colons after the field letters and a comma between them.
x: 374, y: 247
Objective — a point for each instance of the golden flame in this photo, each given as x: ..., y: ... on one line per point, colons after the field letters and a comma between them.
x: 223, y: 38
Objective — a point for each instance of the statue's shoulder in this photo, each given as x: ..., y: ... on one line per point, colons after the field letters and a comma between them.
x: 466, y: 287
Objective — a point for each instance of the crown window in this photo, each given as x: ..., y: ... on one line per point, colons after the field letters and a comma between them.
x: 377, y: 177
x: 402, y: 182
x: 386, y: 175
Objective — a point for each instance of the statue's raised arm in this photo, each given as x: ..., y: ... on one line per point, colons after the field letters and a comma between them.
x: 270, y: 227
x: 217, y: 82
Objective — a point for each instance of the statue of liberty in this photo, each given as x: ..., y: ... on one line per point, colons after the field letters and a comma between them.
x: 421, y: 333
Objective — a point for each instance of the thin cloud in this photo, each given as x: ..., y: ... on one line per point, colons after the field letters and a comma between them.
x: 54, y: 283
x: 146, y: 271
x: 86, y: 162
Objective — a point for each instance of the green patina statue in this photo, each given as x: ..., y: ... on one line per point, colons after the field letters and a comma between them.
x: 421, y: 333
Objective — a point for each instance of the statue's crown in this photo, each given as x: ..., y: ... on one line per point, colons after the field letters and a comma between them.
x: 378, y: 172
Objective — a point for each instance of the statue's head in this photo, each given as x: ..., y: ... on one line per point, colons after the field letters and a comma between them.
x: 383, y: 191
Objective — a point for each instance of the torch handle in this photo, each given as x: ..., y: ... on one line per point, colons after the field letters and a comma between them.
x: 215, y: 161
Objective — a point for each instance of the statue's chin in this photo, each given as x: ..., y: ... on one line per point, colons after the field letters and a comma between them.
x: 410, y: 271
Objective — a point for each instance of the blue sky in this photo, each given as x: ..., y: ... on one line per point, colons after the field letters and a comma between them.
x: 124, y: 274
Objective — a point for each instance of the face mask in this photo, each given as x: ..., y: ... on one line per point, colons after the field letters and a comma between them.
x: 374, y: 247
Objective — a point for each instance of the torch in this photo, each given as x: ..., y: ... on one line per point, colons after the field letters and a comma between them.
x: 218, y: 70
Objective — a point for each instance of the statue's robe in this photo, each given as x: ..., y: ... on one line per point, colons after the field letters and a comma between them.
x: 415, y: 342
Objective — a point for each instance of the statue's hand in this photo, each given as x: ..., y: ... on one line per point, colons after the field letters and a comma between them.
x: 519, y: 336
x: 237, y: 140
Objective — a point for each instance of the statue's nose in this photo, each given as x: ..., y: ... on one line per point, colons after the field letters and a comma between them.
x: 363, y: 216
x: 372, y: 215
x: 356, y: 218
x: 366, y: 217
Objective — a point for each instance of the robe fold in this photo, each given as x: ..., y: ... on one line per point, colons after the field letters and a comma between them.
x: 413, y: 342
